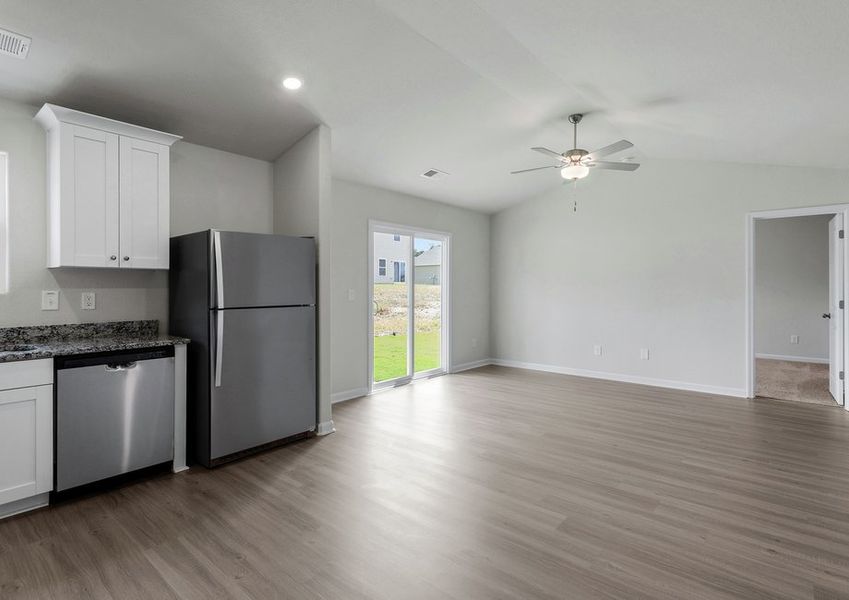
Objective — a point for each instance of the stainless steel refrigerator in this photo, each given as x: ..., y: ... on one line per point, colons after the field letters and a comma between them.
x: 247, y: 302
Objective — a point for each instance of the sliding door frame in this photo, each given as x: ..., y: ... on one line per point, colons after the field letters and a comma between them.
x: 375, y: 226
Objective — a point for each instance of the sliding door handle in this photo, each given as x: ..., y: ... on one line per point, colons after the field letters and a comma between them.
x: 826, y: 315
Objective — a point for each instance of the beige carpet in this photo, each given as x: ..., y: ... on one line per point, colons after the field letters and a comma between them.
x: 785, y: 380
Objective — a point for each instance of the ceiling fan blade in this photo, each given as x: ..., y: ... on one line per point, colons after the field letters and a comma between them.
x: 537, y: 169
x: 608, y: 150
x: 556, y: 155
x: 614, y: 166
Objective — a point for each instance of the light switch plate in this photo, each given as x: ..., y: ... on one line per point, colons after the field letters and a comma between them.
x: 794, y: 339
x: 597, y: 350
x: 644, y: 353
x: 87, y: 301
x: 49, y: 300
x: 350, y: 294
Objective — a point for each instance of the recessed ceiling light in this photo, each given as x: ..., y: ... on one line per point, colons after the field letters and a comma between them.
x: 292, y: 83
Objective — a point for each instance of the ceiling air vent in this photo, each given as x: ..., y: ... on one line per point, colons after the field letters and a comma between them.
x: 434, y: 174
x: 13, y: 44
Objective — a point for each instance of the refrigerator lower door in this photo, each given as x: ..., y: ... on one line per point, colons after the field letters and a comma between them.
x: 263, y: 384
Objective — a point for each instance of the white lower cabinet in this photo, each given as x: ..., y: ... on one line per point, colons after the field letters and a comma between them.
x: 26, y: 432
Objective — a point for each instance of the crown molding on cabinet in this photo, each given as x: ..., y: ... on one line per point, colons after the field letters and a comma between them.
x: 51, y: 115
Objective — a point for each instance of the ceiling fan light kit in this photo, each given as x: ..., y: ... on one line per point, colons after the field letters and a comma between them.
x: 576, y: 163
x: 574, y: 171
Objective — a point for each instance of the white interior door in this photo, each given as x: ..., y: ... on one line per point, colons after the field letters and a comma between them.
x: 835, y: 311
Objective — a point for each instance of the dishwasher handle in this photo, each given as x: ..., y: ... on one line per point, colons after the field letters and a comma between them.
x: 118, y: 367
x: 121, y: 358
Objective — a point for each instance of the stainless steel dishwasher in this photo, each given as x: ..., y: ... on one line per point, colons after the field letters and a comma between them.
x: 114, y: 414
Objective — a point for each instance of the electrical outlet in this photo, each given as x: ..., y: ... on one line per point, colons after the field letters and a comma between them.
x: 644, y: 353
x: 597, y: 350
x: 794, y: 339
x: 49, y: 300
x: 87, y: 301
x: 351, y: 294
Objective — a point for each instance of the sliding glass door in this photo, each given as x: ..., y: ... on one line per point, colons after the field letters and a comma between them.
x: 391, y: 294
x: 408, y: 318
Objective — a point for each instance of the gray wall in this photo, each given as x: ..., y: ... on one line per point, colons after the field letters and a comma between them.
x: 353, y: 205
x: 296, y: 187
x: 652, y: 259
x: 791, y: 287
x: 213, y: 189
x: 302, y: 206
x: 208, y: 188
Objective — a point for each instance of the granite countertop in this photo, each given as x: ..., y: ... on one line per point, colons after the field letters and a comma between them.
x: 46, y: 341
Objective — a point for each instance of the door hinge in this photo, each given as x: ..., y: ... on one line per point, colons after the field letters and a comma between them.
x: 842, y: 376
x: 841, y: 304
x: 840, y: 234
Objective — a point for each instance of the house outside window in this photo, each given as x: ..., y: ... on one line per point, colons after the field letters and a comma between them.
x: 381, y: 267
x: 396, y: 238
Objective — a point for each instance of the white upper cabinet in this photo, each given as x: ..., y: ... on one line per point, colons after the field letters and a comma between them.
x: 144, y: 204
x: 108, y: 191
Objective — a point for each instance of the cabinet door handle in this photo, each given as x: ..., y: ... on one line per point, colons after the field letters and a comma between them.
x: 126, y: 258
x: 113, y: 257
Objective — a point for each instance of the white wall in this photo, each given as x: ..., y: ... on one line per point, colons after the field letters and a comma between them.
x: 791, y: 286
x: 353, y: 206
x: 302, y: 206
x: 209, y: 188
x: 653, y: 259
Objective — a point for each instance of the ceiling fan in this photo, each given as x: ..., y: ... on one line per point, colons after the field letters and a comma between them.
x: 577, y: 162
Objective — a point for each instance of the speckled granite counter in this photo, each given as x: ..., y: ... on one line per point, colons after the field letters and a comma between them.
x: 46, y: 341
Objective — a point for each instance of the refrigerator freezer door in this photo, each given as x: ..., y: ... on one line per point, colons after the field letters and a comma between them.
x: 254, y: 269
x: 265, y: 387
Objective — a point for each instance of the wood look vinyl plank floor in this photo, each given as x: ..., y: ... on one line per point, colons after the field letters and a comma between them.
x: 494, y: 483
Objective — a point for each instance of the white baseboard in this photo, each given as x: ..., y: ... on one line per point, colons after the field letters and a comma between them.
x: 348, y: 395
x: 806, y: 359
x: 664, y: 383
x: 471, y: 365
x: 21, y: 506
x: 325, y: 428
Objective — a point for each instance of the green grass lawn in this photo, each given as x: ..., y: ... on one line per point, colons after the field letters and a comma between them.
x: 390, y: 354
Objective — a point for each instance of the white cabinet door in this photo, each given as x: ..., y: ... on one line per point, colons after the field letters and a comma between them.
x: 26, y: 442
x: 89, y: 191
x: 144, y: 204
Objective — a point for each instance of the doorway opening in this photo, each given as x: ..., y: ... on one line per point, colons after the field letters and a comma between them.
x: 408, y: 317
x: 796, y: 285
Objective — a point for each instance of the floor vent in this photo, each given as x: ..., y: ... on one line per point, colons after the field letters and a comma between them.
x: 13, y: 44
x: 434, y: 174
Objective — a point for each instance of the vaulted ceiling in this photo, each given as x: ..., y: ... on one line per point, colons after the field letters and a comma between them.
x: 464, y: 86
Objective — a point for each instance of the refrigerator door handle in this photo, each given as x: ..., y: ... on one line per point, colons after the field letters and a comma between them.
x: 219, y: 345
x: 219, y: 270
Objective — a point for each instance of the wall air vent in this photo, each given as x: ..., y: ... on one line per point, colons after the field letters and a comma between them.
x: 13, y: 44
x: 434, y: 174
